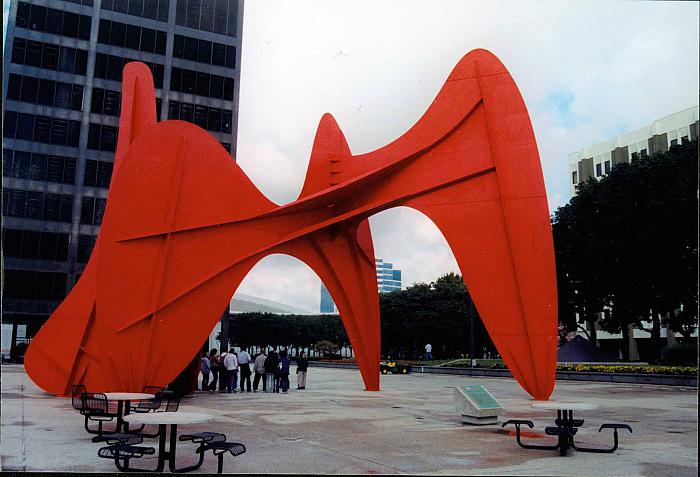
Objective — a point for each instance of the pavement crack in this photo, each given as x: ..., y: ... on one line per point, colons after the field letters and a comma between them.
x: 347, y: 454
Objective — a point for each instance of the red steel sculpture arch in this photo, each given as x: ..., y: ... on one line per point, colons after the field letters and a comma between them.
x: 184, y: 225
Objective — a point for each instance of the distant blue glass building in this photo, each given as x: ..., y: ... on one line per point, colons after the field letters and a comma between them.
x: 327, y: 305
x: 388, y: 280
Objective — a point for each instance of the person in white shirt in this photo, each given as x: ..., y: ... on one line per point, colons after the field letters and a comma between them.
x: 244, y: 360
x: 428, y: 352
x: 231, y: 365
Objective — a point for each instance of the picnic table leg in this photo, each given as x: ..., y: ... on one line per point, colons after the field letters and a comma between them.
x: 173, y: 446
x: 522, y: 444
x: 120, y: 410
x: 566, y: 430
x: 610, y: 450
x: 127, y: 408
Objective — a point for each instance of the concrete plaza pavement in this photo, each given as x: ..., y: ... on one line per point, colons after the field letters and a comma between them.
x: 410, y: 426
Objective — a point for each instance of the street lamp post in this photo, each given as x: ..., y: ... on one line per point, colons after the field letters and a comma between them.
x: 471, y: 333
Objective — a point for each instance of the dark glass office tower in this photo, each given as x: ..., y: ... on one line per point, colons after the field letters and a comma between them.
x: 61, y: 81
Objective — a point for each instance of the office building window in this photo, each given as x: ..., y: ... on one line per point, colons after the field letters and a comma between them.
x: 607, y: 167
x: 97, y: 173
x: 110, y: 67
x: 29, y: 244
x: 201, y: 84
x: 87, y: 3
x: 105, y: 101
x: 218, y: 16
x: 598, y: 170
x: 50, y: 20
x: 37, y: 205
x: 153, y: 9
x: 45, y: 92
x: 48, y: 56
x: 203, y: 51
x: 85, y: 245
x: 212, y: 119
x: 92, y: 210
x: 102, y: 137
x: 28, y: 127
x: 33, y: 285
x: 38, y: 167
x: 131, y: 36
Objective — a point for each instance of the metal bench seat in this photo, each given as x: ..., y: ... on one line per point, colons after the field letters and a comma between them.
x: 119, y: 438
x: 221, y: 448
x: 124, y: 451
x: 204, y: 437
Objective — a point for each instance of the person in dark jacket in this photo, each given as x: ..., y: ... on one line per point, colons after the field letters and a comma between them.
x: 271, y: 371
x: 302, y: 366
x: 283, y: 375
x: 214, y: 366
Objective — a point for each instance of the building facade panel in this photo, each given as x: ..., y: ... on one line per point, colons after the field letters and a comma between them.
x: 62, y: 69
x: 597, y: 160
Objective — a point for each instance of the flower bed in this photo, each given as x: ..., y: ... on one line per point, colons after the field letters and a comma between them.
x: 616, y: 368
x: 584, y: 368
x: 630, y: 368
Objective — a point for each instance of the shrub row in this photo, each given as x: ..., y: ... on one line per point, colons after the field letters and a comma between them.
x: 585, y: 368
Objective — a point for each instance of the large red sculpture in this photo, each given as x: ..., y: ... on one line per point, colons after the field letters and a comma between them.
x: 184, y: 225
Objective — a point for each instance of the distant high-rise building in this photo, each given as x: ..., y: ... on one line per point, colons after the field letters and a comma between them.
x: 388, y: 280
x: 327, y: 304
x: 62, y: 74
x: 597, y: 161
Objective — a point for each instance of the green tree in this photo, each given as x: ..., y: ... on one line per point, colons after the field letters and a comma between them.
x: 435, y: 313
x: 628, y: 243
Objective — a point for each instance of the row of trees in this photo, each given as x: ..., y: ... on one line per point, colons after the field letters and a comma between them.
x: 436, y: 313
x: 292, y: 331
x: 627, y: 247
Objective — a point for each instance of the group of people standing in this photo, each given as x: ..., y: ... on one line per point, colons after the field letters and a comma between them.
x: 270, y: 367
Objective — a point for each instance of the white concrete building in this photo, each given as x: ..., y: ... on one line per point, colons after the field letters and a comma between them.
x: 597, y: 160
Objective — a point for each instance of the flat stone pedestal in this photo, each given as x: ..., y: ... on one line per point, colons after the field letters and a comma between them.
x: 479, y: 421
x: 476, y: 405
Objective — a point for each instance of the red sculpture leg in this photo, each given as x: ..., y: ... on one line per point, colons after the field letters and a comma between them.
x: 55, y: 368
x: 184, y: 225
x: 343, y: 255
x: 344, y: 260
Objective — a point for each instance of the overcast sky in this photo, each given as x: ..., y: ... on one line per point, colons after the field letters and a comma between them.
x: 587, y: 71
